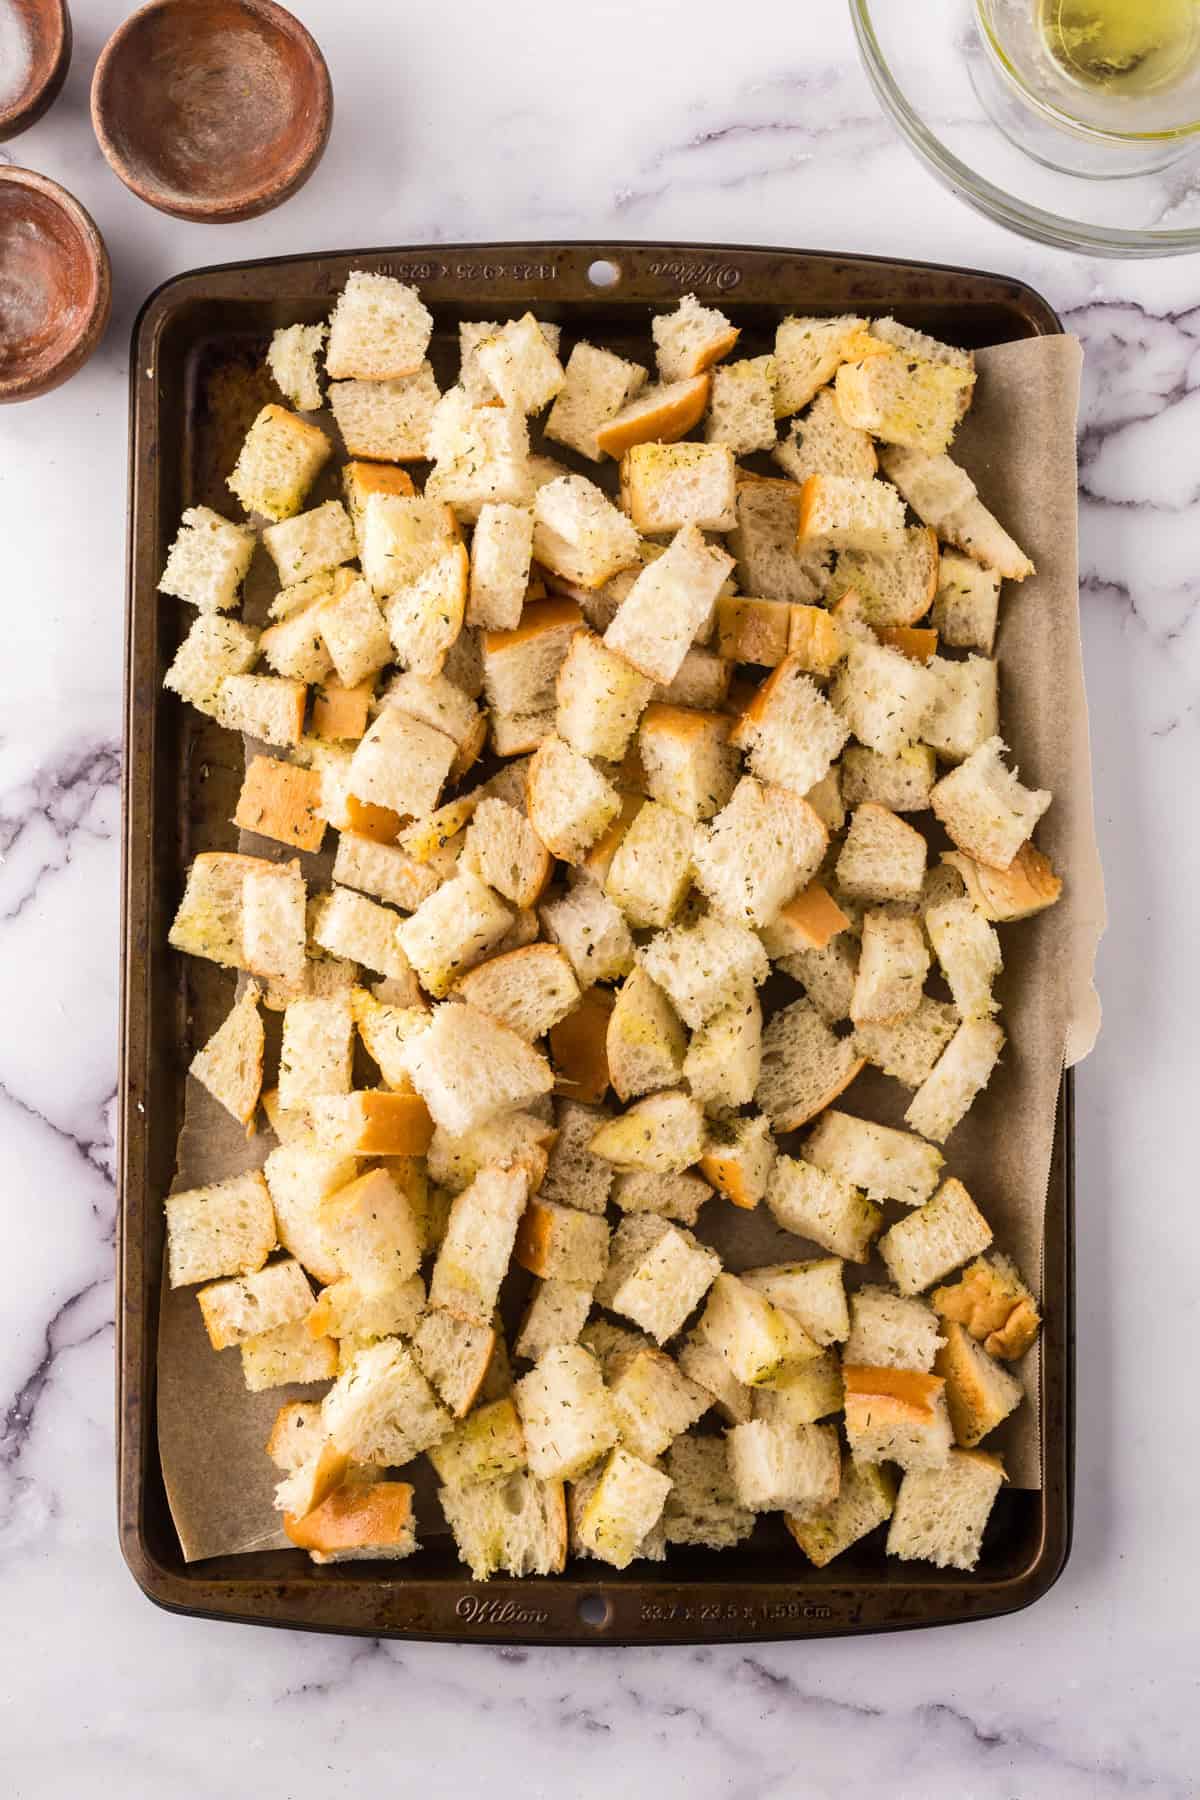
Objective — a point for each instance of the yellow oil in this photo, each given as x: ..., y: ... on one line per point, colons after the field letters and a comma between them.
x: 1122, y: 46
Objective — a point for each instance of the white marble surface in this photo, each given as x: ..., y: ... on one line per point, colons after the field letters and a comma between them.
x: 470, y: 121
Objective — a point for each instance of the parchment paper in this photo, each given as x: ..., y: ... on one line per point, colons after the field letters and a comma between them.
x: 1018, y: 443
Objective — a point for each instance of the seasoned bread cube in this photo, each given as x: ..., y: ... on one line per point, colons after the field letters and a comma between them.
x: 967, y: 603
x: 230, y: 1064
x: 513, y: 1140
x: 984, y: 807
x: 371, y: 1122
x: 865, y: 1500
x: 891, y: 1331
x: 827, y: 976
x: 657, y: 1275
x: 345, y: 1312
x: 401, y: 764
x: 515, y: 1526
x: 813, y: 1292
x: 904, y: 400
x: 311, y: 543
x: 579, y: 534
x: 753, y: 631
x: 741, y: 411
x: 520, y: 365
x: 821, y: 443
x: 556, y: 1314
x: 353, y: 629
x: 425, y: 617
x: 691, y: 339
x: 705, y: 966
x: 379, y: 329
x: 504, y: 850
x: 789, y: 732
x: 562, y: 1243
x: 359, y: 1521
x: 246, y: 1306
x: 809, y: 921
x: 702, y: 1507
x: 575, y: 1176
x: 902, y: 782
x: 660, y: 414
x: 966, y: 706
x: 761, y: 847
x: 481, y: 456
x: 362, y: 479
x: 651, y: 871
x: 881, y: 858
x: 295, y: 647
x: 452, y: 930
x: 883, y: 696
x: 839, y: 512
x: 940, y: 1514
x: 739, y: 1154
x: 724, y: 1058
x: 387, y: 420
x: 810, y: 1391
x: 972, y: 528
x: 317, y: 1051
x: 621, y: 1509
x: 702, y: 679
x: 295, y: 1435
x: 529, y: 989
x: 401, y: 537
x: 453, y: 1355
x: 213, y: 650
x: 208, y: 560
x: 468, y: 1067
x: 611, y: 1344
x: 591, y: 930
x: 667, y: 486
x: 472, y: 334
x: 348, y: 925
x: 670, y: 1196
x: 645, y: 1041
x: 596, y: 387
x: 475, y: 1252
x: 993, y: 1303
x: 689, y: 762
x: 500, y: 553
x: 566, y: 1413
x: 382, y: 869
x: 381, y: 1409
x: 273, y: 924
x: 520, y: 667
x: 300, y: 1177
x: 933, y: 1241
x: 892, y: 966
x: 960, y: 1073
x: 814, y: 1204
x: 600, y: 698
x: 227, y: 1228
x: 758, y: 1341
x: 267, y: 707
x: 372, y: 1232
x: 816, y: 640
x: 570, y: 802
x: 670, y: 603
x: 663, y: 1133
x: 804, y: 1066
x: 1025, y: 887
x: 896, y: 1415
x: 980, y: 1392
x: 808, y: 353
x: 968, y: 952
x: 933, y: 485
x: 485, y: 1446
x: 286, y: 1354
x: 792, y: 1467
x: 918, y: 343
x: 887, y: 1164
x: 385, y: 1028
x: 279, y: 460
x: 771, y: 560
x: 292, y: 359
x: 907, y: 1048
x: 893, y: 587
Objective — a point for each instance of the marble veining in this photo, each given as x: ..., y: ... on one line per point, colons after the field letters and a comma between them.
x: 621, y: 120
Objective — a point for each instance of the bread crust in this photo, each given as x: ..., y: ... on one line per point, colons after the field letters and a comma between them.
x: 665, y: 424
x: 355, y: 1517
x: 579, y: 1048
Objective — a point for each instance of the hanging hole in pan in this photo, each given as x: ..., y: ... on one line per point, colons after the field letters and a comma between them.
x: 594, y: 1610
x: 604, y: 274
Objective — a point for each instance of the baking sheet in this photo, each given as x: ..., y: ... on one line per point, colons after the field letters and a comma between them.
x: 1018, y: 443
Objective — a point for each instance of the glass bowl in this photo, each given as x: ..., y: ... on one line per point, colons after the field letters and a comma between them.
x: 937, y: 83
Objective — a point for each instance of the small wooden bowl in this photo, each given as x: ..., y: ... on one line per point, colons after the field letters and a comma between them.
x: 35, y: 54
x: 55, y: 285
x: 213, y: 110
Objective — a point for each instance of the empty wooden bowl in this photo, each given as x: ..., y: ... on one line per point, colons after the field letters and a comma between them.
x: 212, y: 110
x: 55, y: 285
x: 35, y: 54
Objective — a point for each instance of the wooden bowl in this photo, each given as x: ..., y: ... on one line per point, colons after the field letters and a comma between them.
x: 212, y: 110
x: 55, y: 285
x: 35, y: 54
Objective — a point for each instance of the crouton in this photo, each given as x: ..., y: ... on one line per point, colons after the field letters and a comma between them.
x: 808, y: 353
x: 902, y: 782
x: 503, y: 849
x: 521, y: 667
x: 792, y: 1467
x: 883, y: 696
x: 892, y: 966
x: 266, y: 707
x: 516, y: 1140
x: 654, y: 1401
x: 770, y: 559
x: 468, y: 1067
x: 891, y: 1331
x: 993, y: 1303
x: 360, y: 1520
x: 379, y: 329
x: 896, y: 1415
x: 570, y: 802
x: 292, y: 359
x: 387, y: 420
x: 816, y: 640
x: 600, y: 698
x: 359, y: 930
x: 691, y: 339
x: 402, y: 536
x: 300, y: 1177
x: 881, y: 858
x: 556, y: 1314
x: 812, y: 1292
x: 381, y: 1409
x: 279, y: 460
x: 758, y: 1340
x: 663, y: 1133
x: 660, y: 414
x: 227, y: 1228
x: 520, y: 365
x: 807, y: 1393
x: 596, y: 387
x: 895, y: 586
x: 317, y: 1050
x: 500, y: 553
x: 702, y: 1507
x: 384, y: 870
x: 701, y: 680
x: 724, y: 1058
x: 760, y: 848
x: 907, y: 1048
x: 980, y: 1392
x: 575, y: 1176
x: 669, y: 605
x: 529, y: 990
x: 677, y: 1196
x: 371, y: 1122
x: 965, y: 710
x: 286, y: 1354
x: 486, y: 1446
x: 425, y: 616
x: 809, y: 921
x: 214, y: 650
x: 453, y: 1355
x: 968, y: 952
x: 560, y: 1242
x: 667, y: 486
x: 706, y: 1366
x: 452, y: 930
x: 865, y: 1500
x: 208, y: 560
x: 273, y: 925
x: 361, y: 479
x: 311, y: 543
x: 967, y: 603
x: 480, y: 1234
x: 657, y: 1274
x: 984, y: 807
x: 620, y: 1509
x: 930, y: 1243
x: 887, y: 1164
x: 690, y: 764
x: 789, y: 732
x: 371, y: 1231
x: 821, y: 443
x: 838, y: 512
x: 246, y: 1306
x: 741, y: 411
x: 353, y: 629
x: 592, y: 932
x: 645, y: 1039
x: 651, y: 870
x: 566, y: 1413
x: 973, y: 529
x: 813, y: 1204
x: 960, y: 1073
x: 1024, y: 888
x: 903, y: 400
x: 579, y: 534
x: 401, y: 764
x: 515, y: 1525
x: 230, y: 1064
x: 804, y: 1066
x: 753, y: 631
x: 739, y: 1154
x: 294, y: 646
x: 940, y: 1514
x: 827, y: 976
x: 704, y: 967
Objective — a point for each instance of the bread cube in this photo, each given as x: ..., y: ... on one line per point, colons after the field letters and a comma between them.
x: 933, y: 1241
x: 231, y: 1062
x: 904, y: 400
x: 651, y: 870
x: 691, y: 339
x: 579, y: 534
x: 965, y: 712
x: 372, y: 1232
x: 294, y: 646
x: 475, y: 1252
x: 891, y: 1331
x: 468, y: 1067
x: 968, y: 952
x: 425, y: 616
x: 816, y: 640
x: 812, y: 1292
x: 591, y: 930
x: 317, y: 1051
x: 739, y: 1154
x: 759, y: 1341
x: 292, y: 359
x: 865, y: 1500
x: 369, y: 1520
x: 827, y: 976
x: 562, y: 1243
x: 621, y: 1509
x: 273, y: 925
x: 487, y: 1445
x: 902, y: 782
x: 972, y: 528
x: 515, y: 1525
x: 663, y: 1133
x: 596, y: 387
x: 742, y: 408
x: 881, y: 858
x: 566, y: 1413
x: 299, y: 1178
x: 753, y: 631
x: 676, y: 1196
x: 279, y: 460
x: 771, y: 561
x: 980, y: 1392
x: 286, y: 1354
x: 809, y: 921
x: 883, y: 696
x: 611, y: 1344
x: 763, y: 845
x: 214, y: 650
x: 824, y: 1207
x: 500, y: 553
x: 401, y: 764
x: 521, y: 667
x: 780, y: 1466
x: 311, y: 543
x: 227, y: 1228
x: 371, y: 1122
x: 789, y: 731
x: 570, y: 801
x: 887, y: 1164
x: 821, y: 443
x: 358, y: 1318
x: 529, y: 989
x: 993, y: 1303
x: 401, y: 537
x: 660, y: 414
x: 645, y: 1041
x: 893, y: 963
x: 896, y: 1415
x: 705, y: 1365
x: 208, y: 560
x: 353, y: 629
x: 384, y: 870
x: 481, y: 456
x: 657, y: 1274
x: 724, y: 1058
x: 556, y: 1314
x: 351, y: 926
x: 600, y: 698
x: 808, y: 353
x: 908, y: 1048
x: 702, y: 1507
x: 984, y: 807
x: 804, y: 1066
x: 266, y: 707
x: 809, y: 1392
x: 386, y: 420
x: 665, y: 487
x: 381, y: 1409
x: 670, y: 603
x: 940, y: 1514
x: 689, y: 762
x: 453, y: 1355
x: 379, y: 329
x: 967, y: 603
x: 520, y: 365
x: 247, y: 1305
x: 704, y: 967
x: 575, y: 1176
x: 840, y: 512
x: 959, y: 1075
x: 362, y: 479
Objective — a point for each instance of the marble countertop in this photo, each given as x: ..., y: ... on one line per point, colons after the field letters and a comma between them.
x: 468, y: 122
